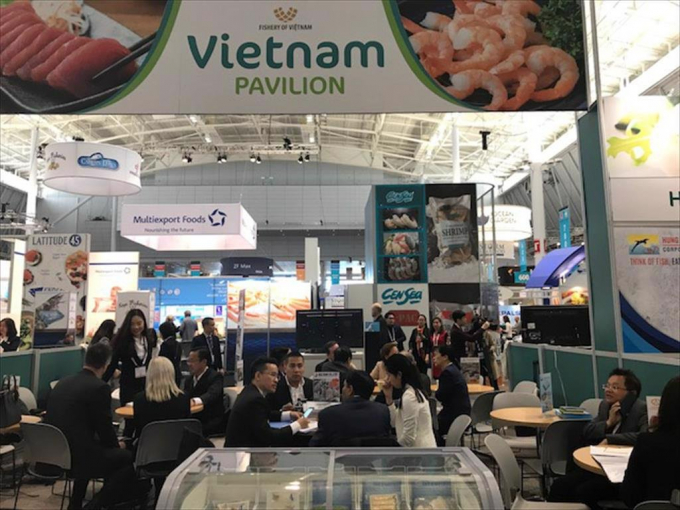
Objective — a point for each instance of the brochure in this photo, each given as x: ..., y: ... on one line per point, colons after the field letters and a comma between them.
x: 326, y: 386
x: 471, y: 369
x: 545, y: 392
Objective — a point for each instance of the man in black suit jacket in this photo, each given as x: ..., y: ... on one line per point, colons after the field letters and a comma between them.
x: 342, y: 360
x: 249, y: 421
x: 329, y: 349
x: 211, y: 342
x: 620, y: 420
x: 294, y: 387
x: 452, y: 391
x: 80, y: 406
x: 459, y: 338
x: 206, y: 386
x: 356, y: 419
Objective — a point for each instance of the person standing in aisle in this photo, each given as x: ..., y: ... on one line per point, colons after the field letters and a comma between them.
x: 211, y: 341
x: 439, y: 337
x: 376, y: 313
x: 460, y: 339
x: 188, y: 328
x: 393, y: 332
x: 410, y: 416
x: 171, y: 348
x: 420, y: 344
x: 132, y: 353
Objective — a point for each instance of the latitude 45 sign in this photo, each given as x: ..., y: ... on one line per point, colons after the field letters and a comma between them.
x: 217, y: 218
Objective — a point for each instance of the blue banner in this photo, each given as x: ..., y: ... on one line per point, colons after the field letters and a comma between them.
x: 335, y: 272
x: 565, y: 227
x: 523, y: 255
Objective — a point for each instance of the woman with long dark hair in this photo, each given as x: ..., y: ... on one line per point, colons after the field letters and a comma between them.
x: 439, y: 337
x: 420, y: 344
x: 9, y: 337
x: 105, y: 330
x: 132, y: 353
x: 652, y: 472
x: 411, y: 415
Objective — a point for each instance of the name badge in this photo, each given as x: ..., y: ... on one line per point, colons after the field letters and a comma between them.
x: 140, y: 372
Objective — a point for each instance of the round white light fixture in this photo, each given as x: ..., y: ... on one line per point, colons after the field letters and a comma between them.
x: 94, y: 169
x: 513, y: 223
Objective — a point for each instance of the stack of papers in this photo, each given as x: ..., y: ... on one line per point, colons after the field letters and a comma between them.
x: 614, y: 461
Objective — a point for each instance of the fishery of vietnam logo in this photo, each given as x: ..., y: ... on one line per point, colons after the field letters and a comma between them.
x: 401, y: 297
x: 217, y: 218
x: 285, y: 16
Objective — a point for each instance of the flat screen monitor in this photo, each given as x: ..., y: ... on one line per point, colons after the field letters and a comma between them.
x: 316, y: 327
x: 556, y: 325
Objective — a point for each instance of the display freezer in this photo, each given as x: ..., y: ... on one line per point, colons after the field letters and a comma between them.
x: 331, y: 479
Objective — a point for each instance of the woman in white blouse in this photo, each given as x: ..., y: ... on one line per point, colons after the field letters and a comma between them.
x: 411, y: 414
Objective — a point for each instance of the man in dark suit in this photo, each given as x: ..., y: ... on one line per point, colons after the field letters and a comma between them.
x: 392, y: 332
x: 80, y: 406
x: 459, y: 338
x: 620, y: 420
x: 210, y: 341
x: 342, y: 363
x: 329, y: 349
x: 206, y: 386
x: 249, y: 421
x: 171, y: 348
x: 452, y: 391
x: 294, y: 387
x: 356, y: 418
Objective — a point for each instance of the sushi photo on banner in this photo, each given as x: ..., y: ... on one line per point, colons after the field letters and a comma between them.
x: 451, y: 229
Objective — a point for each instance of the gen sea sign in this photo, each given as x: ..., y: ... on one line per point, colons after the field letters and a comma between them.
x: 277, y: 55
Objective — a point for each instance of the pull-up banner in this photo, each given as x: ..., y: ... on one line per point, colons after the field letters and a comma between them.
x: 316, y: 56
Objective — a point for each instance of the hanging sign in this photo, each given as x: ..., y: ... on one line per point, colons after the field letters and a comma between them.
x: 159, y: 269
x: 300, y: 270
x: 300, y: 57
x: 335, y: 272
x: 565, y: 227
x: 247, y: 266
x: 523, y: 254
x: 195, y: 268
x: 512, y: 223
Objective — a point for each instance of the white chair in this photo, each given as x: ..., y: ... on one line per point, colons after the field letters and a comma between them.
x: 506, y: 400
x: 481, y: 415
x: 592, y: 406
x: 526, y: 387
x: 457, y: 429
x: 53, y: 384
x: 27, y: 397
x: 511, y: 478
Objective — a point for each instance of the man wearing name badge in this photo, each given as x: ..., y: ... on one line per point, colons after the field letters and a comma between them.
x: 459, y: 338
x: 293, y: 387
x: 188, y: 328
x: 210, y: 341
x: 393, y: 332
x: 249, y: 421
x: 206, y: 386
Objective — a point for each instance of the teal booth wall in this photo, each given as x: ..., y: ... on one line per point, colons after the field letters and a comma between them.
x: 19, y: 364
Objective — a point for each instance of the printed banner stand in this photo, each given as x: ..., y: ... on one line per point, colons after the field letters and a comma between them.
x: 239, y: 337
x: 140, y: 299
x: 565, y: 227
x: 545, y: 392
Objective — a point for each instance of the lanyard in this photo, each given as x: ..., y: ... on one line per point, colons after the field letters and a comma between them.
x: 391, y: 334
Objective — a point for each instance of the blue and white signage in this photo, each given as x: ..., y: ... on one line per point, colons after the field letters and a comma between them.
x: 401, y: 296
x: 97, y: 169
x: 565, y: 227
x: 189, y: 227
x: 407, y: 301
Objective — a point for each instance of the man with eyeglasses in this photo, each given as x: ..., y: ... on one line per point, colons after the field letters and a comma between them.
x: 620, y: 419
x: 249, y: 420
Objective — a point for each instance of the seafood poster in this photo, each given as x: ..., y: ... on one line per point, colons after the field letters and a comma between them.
x: 400, y: 246
x: 55, y: 263
x: 451, y: 230
x: 316, y: 56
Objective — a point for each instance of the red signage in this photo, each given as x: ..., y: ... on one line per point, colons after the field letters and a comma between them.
x: 537, y: 245
x: 405, y: 317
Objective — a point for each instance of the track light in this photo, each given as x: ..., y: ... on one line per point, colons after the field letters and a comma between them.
x: 221, y: 158
x: 258, y: 160
x: 307, y: 158
x: 301, y: 159
x: 252, y: 158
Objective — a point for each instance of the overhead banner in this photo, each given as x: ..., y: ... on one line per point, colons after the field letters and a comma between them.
x: 247, y: 266
x: 109, y: 274
x: 565, y: 227
x: 357, y: 56
x: 188, y: 227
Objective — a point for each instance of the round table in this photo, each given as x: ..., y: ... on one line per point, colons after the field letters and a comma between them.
x: 25, y: 418
x: 524, y: 417
x: 585, y: 460
x: 476, y: 389
x: 129, y: 411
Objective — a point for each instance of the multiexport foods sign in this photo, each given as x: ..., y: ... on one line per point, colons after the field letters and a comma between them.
x: 171, y: 227
x: 315, y: 56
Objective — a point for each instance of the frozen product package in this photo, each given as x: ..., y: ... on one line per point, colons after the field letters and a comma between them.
x: 451, y: 219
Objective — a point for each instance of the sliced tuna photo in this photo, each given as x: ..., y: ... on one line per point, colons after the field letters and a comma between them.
x: 21, y: 42
x: 23, y: 56
x: 24, y: 72
x: 40, y: 72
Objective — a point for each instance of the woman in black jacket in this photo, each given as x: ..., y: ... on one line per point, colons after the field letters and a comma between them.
x: 132, y: 353
x: 171, y: 348
x: 420, y: 344
x: 652, y: 472
x: 9, y: 338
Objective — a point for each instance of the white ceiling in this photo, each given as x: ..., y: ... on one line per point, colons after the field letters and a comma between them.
x: 632, y: 35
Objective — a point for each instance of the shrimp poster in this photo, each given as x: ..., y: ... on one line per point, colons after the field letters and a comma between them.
x: 54, y: 263
x: 314, y: 56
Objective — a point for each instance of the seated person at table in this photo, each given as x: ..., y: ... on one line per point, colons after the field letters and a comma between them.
x: 80, y: 406
x: 248, y: 424
x: 211, y: 341
x: 161, y: 398
x: 356, y: 418
x: 329, y: 349
x: 379, y: 373
x: 206, y: 386
x: 652, y: 472
x: 294, y: 387
x: 452, y: 391
x: 342, y: 363
x: 279, y: 354
x: 171, y: 348
x: 619, y: 421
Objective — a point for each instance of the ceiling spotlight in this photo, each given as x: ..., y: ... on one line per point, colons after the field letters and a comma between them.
x: 41, y: 151
x: 221, y: 158
x: 287, y: 144
x: 208, y: 139
x: 252, y: 158
x: 258, y: 160
x: 301, y: 159
x: 307, y: 158
x: 142, y: 156
x: 312, y: 139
